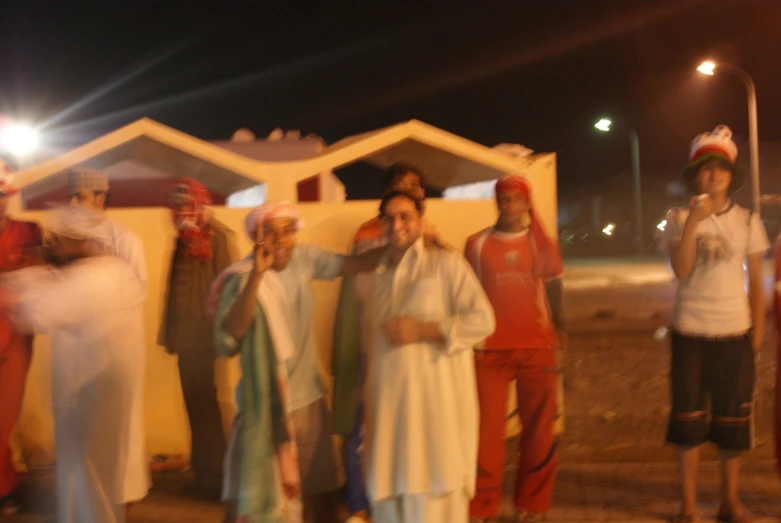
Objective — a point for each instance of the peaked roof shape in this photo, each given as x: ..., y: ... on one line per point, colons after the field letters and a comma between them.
x: 449, y: 159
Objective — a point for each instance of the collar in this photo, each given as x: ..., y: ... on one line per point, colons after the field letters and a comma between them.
x: 508, y: 235
x: 411, y: 258
x: 727, y: 208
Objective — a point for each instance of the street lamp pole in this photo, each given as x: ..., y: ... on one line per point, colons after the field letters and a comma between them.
x: 604, y: 126
x: 637, y: 189
x: 753, y: 130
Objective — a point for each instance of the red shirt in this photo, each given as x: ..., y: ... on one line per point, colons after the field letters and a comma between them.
x: 18, y: 244
x: 504, y: 264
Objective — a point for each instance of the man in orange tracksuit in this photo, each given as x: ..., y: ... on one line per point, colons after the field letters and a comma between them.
x: 19, y: 247
x: 520, y: 268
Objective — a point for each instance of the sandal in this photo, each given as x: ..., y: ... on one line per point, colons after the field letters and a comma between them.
x: 685, y: 518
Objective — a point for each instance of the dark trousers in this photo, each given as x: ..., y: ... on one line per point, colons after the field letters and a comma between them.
x: 196, y: 373
x: 719, y: 370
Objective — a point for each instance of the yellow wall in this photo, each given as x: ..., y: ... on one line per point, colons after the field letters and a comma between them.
x: 328, y: 225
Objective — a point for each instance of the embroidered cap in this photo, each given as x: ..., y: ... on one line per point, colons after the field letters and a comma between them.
x: 86, y: 179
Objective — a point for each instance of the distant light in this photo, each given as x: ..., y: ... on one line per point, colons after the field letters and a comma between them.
x: 707, y: 68
x: 662, y: 225
x: 608, y: 230
x: 603, y: 125
x: 19, y: 140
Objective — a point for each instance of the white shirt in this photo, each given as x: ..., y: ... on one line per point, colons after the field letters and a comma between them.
x: 92, y: 308
x: 307, y: 263
x: 128, y: 246
x: 421, y: 398
x: 713, y: 301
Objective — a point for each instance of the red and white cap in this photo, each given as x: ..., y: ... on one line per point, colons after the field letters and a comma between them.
x: 718, y: 142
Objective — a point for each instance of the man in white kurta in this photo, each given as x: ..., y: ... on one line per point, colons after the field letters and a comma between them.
x: 91, y: 305
x: 89, y: 188
x: 426, y: 311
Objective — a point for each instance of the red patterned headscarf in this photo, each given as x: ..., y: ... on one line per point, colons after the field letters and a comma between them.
x: 190, y: 218
x: 547, y: 255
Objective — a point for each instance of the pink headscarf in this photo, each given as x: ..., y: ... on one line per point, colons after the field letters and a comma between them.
x: 547, y: 255
x: 270, y: 211
x: 257, y: 216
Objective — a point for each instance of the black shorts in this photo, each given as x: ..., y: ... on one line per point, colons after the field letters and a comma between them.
x: 721, y: 370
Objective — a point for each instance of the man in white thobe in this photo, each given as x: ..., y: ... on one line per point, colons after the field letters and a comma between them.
x: 89, y: 188
x: 91, y: 305
x: 425, y: 310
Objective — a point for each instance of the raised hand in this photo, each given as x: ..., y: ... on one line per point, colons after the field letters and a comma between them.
x: 263, y: 251
x: 701, y: 207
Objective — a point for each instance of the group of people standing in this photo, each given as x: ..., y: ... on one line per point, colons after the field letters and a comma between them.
x: 426, y: 344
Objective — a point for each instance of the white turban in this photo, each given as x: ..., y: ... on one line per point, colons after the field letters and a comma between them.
x: 80, y: 223
x: 269, y: 211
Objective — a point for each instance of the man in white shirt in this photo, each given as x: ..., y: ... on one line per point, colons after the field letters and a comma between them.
x: 91, y: 304
x: 716, y: 327
x: 425, y: 311
x: 89, y: 188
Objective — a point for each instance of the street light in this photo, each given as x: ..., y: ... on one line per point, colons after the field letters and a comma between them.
x: 604, y: 126
x: 19, y: 140
x: 753, y: 134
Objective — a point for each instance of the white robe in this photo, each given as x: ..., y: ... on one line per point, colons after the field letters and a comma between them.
x: 128, y: 246
x: 93, y: 310
x: 421, y: 398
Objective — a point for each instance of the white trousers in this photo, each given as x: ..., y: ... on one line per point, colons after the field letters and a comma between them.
x: 452, y: 507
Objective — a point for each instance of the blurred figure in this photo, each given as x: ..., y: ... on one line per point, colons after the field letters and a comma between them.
x: 20, y: 244
x: 717, y: 328
x: 424, y: 311
x: 349, y: 359
x: 203, y: 250
x: 520, y: 268
x: 262, y: 478
x: 91, y: 304
x: 89, y: 188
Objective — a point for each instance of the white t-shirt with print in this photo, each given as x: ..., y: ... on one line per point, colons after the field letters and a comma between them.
x: 713, y: 301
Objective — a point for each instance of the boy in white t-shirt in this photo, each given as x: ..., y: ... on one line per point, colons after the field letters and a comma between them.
x: 717, y: 327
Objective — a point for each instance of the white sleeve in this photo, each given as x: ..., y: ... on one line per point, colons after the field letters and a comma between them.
x: 325, y: 265
x: 46, y: 300
x: 473, y: 318
x: 757, y: 236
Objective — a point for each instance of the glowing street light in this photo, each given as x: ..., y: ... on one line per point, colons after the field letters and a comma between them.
x: 709, y: 68
x: 19, y: 140
x: 603, y: 125
x: 608, y: 230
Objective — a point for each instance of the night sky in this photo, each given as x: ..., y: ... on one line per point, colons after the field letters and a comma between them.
x: 535, y: 73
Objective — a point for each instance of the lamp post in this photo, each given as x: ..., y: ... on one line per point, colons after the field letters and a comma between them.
x: 709, y: 68
x: 604, y: 126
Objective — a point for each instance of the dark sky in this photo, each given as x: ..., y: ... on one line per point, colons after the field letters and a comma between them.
x: 535, y: 73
